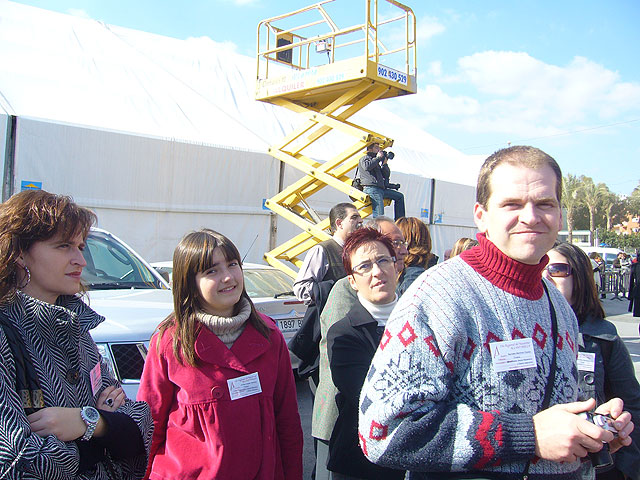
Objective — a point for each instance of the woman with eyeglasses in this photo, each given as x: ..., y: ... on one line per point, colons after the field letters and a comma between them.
x: 368, y: 258
x: 605, y: 367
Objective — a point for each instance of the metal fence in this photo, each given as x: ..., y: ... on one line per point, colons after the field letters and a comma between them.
x: 616, y: 282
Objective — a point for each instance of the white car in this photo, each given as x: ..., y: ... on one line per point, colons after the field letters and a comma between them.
x: 271, y: 292
x: 132, y: 296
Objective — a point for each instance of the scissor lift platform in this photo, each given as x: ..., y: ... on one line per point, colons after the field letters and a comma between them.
x: 325, y: 73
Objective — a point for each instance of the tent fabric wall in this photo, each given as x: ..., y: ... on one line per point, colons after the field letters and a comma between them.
x: 161, y: 135
x: 151, y: 191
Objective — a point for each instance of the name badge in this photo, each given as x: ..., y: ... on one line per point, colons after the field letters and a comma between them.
x: 587, y: 361
x: 244, y: 386
x: 96, y: 378
x: 512, y: 355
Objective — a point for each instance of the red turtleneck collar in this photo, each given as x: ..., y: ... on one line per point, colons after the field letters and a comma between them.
x: 504, y: 272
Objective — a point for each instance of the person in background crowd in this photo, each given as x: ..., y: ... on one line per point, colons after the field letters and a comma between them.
x: 324, y: 261
x: 62, y: 413
x: 475, y: 375
x: 341, y: 299
x: 420, y: 258
x: 218, y: 376
x: 605, y: 366
x: 634, y: 291
x: 461, y: 245
x: 374, y: 174
x: 351, y: 342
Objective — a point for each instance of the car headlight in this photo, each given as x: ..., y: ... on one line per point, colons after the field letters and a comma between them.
x: 105, y: 353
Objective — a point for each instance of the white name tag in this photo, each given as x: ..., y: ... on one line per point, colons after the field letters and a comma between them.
x: 587, y: 361
x: 244, y: 386
x: 512, y: 355
x: 96, y: 378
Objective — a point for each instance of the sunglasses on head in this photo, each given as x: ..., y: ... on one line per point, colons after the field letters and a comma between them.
x: 558, y: 269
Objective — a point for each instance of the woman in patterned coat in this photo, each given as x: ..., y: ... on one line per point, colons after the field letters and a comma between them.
x: 62, y: 414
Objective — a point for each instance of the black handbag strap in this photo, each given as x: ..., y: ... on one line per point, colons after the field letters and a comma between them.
x: 552, y: 369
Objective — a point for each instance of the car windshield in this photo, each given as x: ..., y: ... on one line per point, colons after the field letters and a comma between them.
x: 266, y: 282
x: 110, y: 265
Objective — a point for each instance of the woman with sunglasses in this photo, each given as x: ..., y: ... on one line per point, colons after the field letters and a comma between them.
x: 368, y: 258
x: 605, y: 367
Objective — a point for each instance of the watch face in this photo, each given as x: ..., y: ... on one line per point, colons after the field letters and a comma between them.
x: 91, y: 414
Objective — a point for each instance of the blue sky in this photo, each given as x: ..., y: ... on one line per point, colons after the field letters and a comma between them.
x: 560, y: 75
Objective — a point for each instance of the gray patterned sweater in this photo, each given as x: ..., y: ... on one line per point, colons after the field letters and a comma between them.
x: 432, y: 401
x: 58, y: 340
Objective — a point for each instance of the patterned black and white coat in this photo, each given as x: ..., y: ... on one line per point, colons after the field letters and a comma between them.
x: 58, y: 340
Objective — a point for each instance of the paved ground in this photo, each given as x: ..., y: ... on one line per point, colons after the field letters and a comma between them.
x: 616, y: 312
x: 627, y: 326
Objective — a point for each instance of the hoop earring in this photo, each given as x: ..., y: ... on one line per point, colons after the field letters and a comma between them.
x: 26, y: 269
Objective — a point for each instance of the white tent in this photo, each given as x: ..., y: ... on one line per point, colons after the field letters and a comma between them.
x: 160, y: 136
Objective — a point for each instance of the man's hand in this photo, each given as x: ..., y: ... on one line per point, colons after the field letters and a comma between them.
x: 622, y: 422
x: 562, y: 436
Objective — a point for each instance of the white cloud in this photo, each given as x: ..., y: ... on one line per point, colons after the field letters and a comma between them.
x: 517, y: 94
x: 428, y: 27
x: 78, y: 12
x: 435, y: 68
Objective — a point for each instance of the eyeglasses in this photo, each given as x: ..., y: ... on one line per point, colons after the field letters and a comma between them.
x: 399, y: 243
x: 383, y: 263
x: 558, y: 269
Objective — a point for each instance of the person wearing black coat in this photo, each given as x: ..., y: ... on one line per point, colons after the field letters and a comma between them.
x: 634, y: 290
x: 351, y: 344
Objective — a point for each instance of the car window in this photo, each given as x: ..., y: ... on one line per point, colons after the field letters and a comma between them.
x: 110, y: 265
x: 267, y: 282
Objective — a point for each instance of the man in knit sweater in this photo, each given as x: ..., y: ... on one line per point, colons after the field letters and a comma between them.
x: 458, y: 381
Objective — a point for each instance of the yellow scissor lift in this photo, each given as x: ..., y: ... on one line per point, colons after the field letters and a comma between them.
x: 325, y: 74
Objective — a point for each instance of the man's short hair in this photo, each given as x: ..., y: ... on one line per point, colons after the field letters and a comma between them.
x: 518, y: 156
x: 339, y: 212
x: 375, y: 222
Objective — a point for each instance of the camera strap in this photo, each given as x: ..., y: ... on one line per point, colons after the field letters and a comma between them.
x: 552, y: 369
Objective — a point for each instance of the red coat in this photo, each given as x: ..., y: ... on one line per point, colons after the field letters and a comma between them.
x: 201, y: 433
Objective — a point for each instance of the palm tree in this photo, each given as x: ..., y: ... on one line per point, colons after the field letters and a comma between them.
x: 609, y: 201
x: 592, y: 197
x: 570, y: 200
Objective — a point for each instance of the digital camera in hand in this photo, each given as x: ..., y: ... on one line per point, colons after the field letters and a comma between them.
x: 602, y: 458
x: 388, y: 155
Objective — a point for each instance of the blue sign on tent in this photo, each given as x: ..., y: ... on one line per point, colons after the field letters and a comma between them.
x: 29, y: 185
x: 424, y: 212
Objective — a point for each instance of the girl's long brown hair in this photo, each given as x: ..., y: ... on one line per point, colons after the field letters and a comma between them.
x: 194, y: 254
x: 418, y: 238
x: 34, y: 216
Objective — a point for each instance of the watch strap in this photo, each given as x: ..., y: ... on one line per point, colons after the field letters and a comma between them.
x: 91, y: 425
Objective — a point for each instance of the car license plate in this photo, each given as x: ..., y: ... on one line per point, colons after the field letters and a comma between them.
x: 289, y: 324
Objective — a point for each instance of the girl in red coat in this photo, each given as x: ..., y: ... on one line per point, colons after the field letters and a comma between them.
x: 218, y: 376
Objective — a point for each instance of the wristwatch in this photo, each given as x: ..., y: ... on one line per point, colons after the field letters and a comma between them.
x: 90, y: 417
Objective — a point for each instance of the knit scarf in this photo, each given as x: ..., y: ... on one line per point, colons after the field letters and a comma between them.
x: 228, y: 329
x: 380, y: 313
x: 510, y: 275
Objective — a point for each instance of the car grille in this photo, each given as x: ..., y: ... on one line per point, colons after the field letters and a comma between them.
x: 129, y: 359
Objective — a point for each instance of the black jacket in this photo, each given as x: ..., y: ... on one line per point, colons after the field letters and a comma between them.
x: 614, y: 376
x: 351, y: 344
